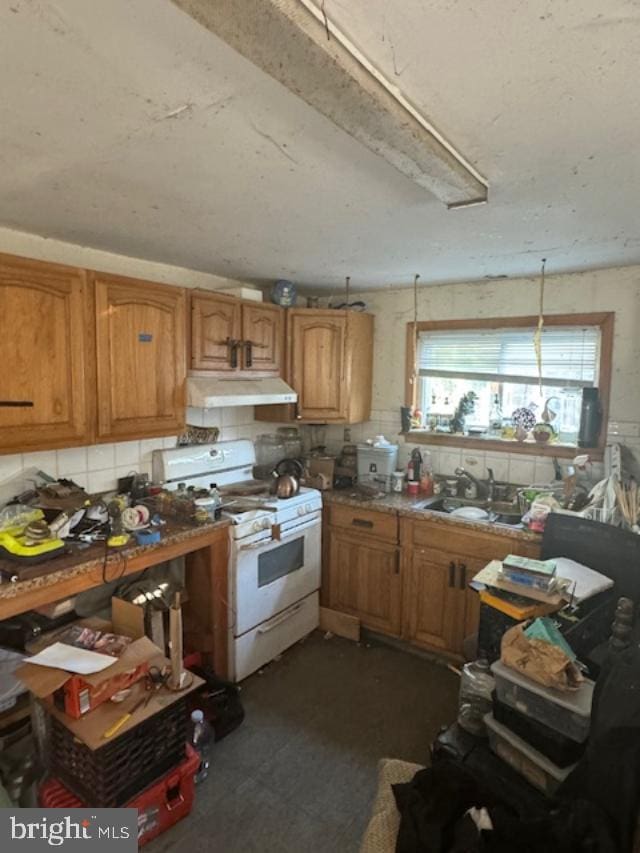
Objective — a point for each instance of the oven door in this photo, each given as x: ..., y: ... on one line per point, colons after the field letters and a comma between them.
x: 270, y: 576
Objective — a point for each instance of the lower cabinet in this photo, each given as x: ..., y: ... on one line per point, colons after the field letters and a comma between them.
x: 440, y: 610
x: 364, y: 580
x: 439, y: 561
x: 415, y: 587
x: 434, y: 611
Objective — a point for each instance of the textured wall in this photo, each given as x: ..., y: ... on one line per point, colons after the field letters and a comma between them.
x: 616, y: 289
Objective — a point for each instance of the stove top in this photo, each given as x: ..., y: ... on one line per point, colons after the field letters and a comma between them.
x: 244, y: 508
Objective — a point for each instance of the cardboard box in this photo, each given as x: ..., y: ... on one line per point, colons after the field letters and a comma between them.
x: 137, y: 621
x: 91, y: 728
x: 320, y: 472
x: 75, y: 694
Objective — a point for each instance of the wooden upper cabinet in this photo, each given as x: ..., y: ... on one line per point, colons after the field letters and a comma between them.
x: 215, y: 326
x: 318, y: 364
x: 141, y: 365
x: 45, y: 353
x: 235, y: 336
x: 330, y: 363
x: 262, y: 337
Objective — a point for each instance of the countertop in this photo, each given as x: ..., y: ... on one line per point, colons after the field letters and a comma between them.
x: 79, y: 562
x: 408, y: 507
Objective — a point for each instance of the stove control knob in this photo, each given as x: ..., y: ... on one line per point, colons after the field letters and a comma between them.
x: 308, y: 508
x: 301, y: 510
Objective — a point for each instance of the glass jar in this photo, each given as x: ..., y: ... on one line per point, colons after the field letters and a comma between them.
x: 476, y: 686
x: 292, y: 441
x: 269, y: 450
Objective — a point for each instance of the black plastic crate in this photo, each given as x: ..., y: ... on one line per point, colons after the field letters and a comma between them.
x: 113, y: 774
x: 556, y: 747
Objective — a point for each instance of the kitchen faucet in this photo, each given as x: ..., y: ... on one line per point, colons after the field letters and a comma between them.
x: 484, y: 489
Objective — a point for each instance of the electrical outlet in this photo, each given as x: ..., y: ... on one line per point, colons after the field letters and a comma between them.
x: 346, y: 436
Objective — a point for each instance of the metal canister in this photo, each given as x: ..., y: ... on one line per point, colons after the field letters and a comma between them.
x: 397, y: 481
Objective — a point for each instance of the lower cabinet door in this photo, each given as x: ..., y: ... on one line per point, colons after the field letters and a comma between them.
x: 434, y: 612
x: 364, y: 580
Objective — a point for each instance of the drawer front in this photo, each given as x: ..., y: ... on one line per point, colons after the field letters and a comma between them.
x: 382, y: 525
x: 474, y: 543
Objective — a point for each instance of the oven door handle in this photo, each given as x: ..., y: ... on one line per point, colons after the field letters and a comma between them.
x: 280, y: 618
x: 263, y: 543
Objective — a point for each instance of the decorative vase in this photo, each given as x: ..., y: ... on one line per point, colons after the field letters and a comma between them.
x: 521, y: 433
x: 543, y: 433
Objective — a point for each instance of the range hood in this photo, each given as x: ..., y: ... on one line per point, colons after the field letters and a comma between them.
x: 209, y: 393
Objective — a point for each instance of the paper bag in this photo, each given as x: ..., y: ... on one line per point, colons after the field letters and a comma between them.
x: 538, y: 660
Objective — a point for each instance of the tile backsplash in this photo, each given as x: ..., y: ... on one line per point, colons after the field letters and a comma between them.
x: 513, y: 467
x: 98, y: 467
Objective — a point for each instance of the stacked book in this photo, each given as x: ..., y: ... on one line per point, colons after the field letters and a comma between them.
x: 522, y: 588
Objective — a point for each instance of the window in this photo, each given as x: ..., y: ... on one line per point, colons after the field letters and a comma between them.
x: 496, y: 360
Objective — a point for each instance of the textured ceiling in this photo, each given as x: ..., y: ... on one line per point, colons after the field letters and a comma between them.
x: 128, y: 127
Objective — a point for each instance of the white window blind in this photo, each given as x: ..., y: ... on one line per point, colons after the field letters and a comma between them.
x: 570, y: 355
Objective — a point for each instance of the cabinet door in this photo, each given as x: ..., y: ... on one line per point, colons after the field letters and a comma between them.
x: 434, y: 602
x: 262, y: 337
x: 215, y: 324
x: 46, y: 356
x: 317, y: 365
x: 364, y: 580
x: 141, y: 358
x: 468, y: 567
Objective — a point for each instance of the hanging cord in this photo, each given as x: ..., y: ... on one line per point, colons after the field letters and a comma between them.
x: 537, y: 338
x: 414, y: 378
x: 346, y: 328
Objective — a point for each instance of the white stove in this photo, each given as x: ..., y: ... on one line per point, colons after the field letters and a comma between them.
x: 257, y: 514
x: 274, y: 568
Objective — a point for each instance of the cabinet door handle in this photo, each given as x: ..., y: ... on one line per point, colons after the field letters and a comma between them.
x: 463, y: 575
x: 361, y: 522
x: 397, y: 569
x: 233, y: 352
x: 452, y: 573
x: 248, y: 354
x: 16, y: 404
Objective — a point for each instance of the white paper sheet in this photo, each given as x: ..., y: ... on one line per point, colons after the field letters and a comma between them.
x: 588, y: 581
x: 71, y: 659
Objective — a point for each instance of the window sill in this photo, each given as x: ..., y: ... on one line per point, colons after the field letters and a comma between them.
x: 530, y: 447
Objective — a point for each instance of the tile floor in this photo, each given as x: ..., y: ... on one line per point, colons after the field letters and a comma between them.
x: 299, y: 775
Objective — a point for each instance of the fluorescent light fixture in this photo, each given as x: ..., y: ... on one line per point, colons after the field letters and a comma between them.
x: 293, y: 42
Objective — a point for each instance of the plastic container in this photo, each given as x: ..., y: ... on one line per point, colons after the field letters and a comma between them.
x: 111, y: 775
x: 376, y: 464
x: 476, y: 688
x: 525, y: 760
x: 568, y: 713
x: 200, y: 738
x: 159, y: 807
x: 557, y: 748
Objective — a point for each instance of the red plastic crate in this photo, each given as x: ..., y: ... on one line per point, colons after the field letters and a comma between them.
x: 159, y: 807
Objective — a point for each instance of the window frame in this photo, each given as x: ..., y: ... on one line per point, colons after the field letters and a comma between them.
x: 605, y: 321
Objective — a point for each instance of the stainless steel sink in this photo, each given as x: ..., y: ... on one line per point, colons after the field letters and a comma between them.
x: 500, y: 512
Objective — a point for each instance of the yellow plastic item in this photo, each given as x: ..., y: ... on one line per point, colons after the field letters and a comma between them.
x: 118, y: 541
x: 14, y: 543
